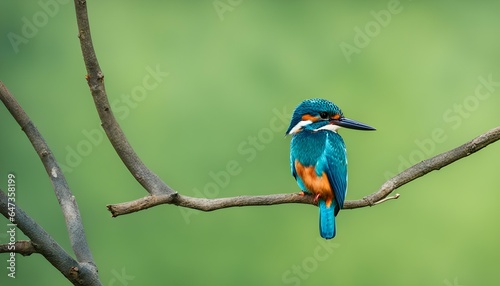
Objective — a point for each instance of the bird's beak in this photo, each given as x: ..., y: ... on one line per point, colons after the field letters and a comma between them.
x: 352, y: 124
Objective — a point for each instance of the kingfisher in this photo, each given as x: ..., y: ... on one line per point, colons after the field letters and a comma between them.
x: 318, y: 157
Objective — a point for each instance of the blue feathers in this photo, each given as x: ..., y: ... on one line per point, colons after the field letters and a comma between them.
x: 326, y: 220
x: 333, y: 162
x: 324, y: 153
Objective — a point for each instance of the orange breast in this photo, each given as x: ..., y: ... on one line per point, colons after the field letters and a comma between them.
x: 318, y: 185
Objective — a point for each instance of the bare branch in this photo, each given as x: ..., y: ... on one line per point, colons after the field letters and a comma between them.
x: 64, y: 195
x: 435, y: 163
x: 204, y: 204
x: 23, y: 247
x: 78, y: 273
x: 408, y: 175
x: 61, y: 189
x: 95, y: 78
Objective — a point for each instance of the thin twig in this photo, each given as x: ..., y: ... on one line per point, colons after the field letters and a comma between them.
x: 396, y: 196
x: 408, y: 175
x: 95, y: 79
x: 62, y: 191
x: 23, y: 247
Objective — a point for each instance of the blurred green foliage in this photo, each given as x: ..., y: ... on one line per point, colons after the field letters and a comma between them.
x: 236, y: 70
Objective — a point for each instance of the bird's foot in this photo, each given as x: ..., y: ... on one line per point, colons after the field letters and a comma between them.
x: 302, y: 193
x: 316, y: 198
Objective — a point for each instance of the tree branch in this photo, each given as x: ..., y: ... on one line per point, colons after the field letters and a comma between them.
x: 64, y: 196
x: 408, y: 175
x: 23, y: 247
x: 435, y: 163
x: 82, y: 273
x: 95, y: 79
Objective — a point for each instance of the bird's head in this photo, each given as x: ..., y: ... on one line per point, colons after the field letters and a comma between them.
x: 316, y: 114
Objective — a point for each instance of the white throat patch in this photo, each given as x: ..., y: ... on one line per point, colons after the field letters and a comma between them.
x: 331, y: 127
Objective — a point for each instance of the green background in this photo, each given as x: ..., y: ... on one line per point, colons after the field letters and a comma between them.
x: 230, y: 74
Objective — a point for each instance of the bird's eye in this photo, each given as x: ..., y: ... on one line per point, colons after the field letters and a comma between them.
x: 323, y: 115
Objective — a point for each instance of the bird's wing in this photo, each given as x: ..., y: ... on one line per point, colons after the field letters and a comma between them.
x: 334, y: 163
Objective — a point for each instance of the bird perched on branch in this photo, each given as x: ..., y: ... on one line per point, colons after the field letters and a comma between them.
x: 318, y: 156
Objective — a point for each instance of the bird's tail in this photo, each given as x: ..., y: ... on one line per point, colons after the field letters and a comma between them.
x: 326, y: 220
